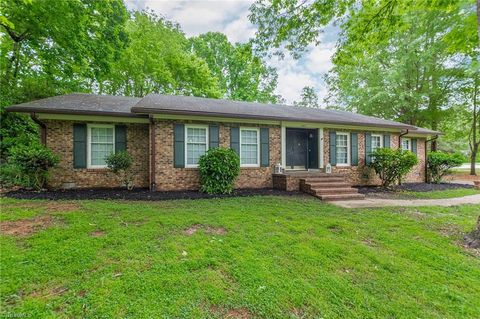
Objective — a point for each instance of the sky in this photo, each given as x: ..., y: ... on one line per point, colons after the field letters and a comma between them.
x: 231, y: 18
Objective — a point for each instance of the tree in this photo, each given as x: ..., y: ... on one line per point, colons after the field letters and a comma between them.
x: 53, y: 47
x: 157, y: 61
x: 241, y: 75
x: 409, y: 77
x: 309, y: 98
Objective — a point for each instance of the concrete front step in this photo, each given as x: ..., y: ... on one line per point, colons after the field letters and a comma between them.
x: 328, y: 191
x: 328, y: 185
x: 336, y: 197
x: 323, y: 179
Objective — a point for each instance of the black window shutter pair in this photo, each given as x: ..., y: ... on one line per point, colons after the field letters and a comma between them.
x: 214, y: 141
x: 179, y: 142
x: 80, y: 143
x: 353, y: 148
x: 368, y: 145
x: 264, y: 144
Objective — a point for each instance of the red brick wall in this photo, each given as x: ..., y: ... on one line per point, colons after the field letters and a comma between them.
x: 362, y: 175
x: 169, y: 178
x: 60, y: 140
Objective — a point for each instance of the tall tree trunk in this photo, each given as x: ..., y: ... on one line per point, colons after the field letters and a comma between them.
x: 474, y: 143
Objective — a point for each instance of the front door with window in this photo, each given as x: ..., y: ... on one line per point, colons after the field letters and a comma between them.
x: 301, y: 148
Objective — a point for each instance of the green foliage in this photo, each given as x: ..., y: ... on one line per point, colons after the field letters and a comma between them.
x: 309, y: 98
x: 32, y: 162
x: 219, y: 168
x: 439, y: 164
x: 241, y: 75
x: 121, y: 163
x: 157, y: 61
x: 392, y: 165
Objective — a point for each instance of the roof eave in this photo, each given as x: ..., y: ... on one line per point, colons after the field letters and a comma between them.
x: 21, y: 109
x: 145, y: 110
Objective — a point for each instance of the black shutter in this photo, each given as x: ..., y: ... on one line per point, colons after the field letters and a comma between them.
x: 235, y: 139
x: 354, y: 148
x: 264, y: 147
x: 414, y: 145
x: 120, y: 138
x: 178, y: 145
x: 386, y: 141
x: 79, y: 145
x: 213, y: 136
x: 333, y: 148
x: 368, y: 148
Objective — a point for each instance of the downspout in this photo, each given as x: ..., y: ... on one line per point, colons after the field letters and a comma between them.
x: 43, y: 129
x: 400, y: 138
x: 426, y: 162
x: 153, y: 185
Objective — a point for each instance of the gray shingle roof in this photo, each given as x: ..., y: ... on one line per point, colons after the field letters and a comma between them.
x: 189, y: 105
x: 80, y: 103
x: 93, y: 104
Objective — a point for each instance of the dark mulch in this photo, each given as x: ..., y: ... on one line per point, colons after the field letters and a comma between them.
x: 396, y: 191
x: 138, y: 194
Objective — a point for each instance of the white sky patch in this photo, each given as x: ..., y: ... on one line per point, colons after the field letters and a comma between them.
x: 231, y: 18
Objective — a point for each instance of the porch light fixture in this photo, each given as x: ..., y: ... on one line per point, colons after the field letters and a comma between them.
x: 328, y: 169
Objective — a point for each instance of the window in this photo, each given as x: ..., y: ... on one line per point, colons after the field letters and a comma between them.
x: 249, y: 146
x: 376, y: 142
x: 196, y: 144
x: 406, y: 144
x: 343, y: 156
x: 101, y: 143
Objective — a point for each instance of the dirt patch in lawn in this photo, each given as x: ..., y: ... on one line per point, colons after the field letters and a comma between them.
x: 26, y: 227
x: 55, y: 291
x: 207, y: 229
x: 49, y: 207
x: 238, y: 313
x: 97, y: 233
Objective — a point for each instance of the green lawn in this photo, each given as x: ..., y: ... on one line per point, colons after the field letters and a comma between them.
x: 259, y: 257
x: 449, y: 193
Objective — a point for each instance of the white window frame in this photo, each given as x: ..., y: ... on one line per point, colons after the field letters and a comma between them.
x: 349, y: 155
x: 381, y: 140
x: 258, y: 145
x: 186, y: 142
x: 409, y: 143
x: 89, y: 143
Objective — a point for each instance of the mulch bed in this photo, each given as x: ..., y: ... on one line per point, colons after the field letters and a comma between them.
x: 396, y: 191
x: 143, y: 194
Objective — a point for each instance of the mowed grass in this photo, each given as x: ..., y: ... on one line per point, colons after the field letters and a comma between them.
x: 257, y: 257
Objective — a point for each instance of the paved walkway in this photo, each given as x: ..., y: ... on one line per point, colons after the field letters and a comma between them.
x: 377, y: 202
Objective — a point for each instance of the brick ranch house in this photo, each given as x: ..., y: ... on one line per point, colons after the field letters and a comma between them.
x: 166, y: 135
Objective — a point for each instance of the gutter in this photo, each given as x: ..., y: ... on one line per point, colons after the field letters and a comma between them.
x: 43, y: 129
x: 145, y: 110
x: 71, y: 112
x: 426, y: 163
x: 400, y: 138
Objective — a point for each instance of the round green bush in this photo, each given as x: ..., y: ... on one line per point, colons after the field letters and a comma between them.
x: 440, y: 163
x: 33, y: 161
x: 219, y: 168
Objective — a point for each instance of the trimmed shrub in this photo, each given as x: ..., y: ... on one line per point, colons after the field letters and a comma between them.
x: 392, y: 165
x: 439, y: 164
x: 121, y: 163
x: 219, y: 168
x: 32, y: 162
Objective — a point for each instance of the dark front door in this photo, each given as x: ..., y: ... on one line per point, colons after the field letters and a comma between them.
x: 302, y: 148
